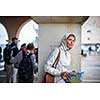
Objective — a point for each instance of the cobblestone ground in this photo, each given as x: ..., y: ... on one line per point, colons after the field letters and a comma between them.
x: 89, y: 64
x: 91, y: 67
x: 3, y: 76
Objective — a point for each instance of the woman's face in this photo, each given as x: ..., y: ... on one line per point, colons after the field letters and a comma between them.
x: 70, y: 41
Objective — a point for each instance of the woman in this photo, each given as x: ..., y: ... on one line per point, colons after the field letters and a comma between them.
x: 61, y: 69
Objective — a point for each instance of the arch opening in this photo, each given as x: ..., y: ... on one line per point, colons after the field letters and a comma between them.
x: 3, y: 37
x: 28, y: 33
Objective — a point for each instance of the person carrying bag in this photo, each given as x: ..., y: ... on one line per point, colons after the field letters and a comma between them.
x: 62, y: 67
x: 48, y: 78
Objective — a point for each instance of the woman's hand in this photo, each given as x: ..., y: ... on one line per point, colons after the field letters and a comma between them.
x: 64, y: 74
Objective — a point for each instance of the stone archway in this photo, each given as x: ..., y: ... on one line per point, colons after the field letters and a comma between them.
x: 3, y: 42
x: 3, y: 33
x: 21, y: 26
x: 27, y: 33
x: 3, y: 36
x: 12, y: 23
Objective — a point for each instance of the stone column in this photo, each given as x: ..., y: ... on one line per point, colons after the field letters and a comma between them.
x: 50, y: 35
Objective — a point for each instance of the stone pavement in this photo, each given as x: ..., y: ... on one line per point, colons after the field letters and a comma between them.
x: 91, y: 67
x: 3, y: 75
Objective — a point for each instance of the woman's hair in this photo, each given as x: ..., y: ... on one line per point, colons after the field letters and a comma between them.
x: 30, y: 46
x: 71, y: 35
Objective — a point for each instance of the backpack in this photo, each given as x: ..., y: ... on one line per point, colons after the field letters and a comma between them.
x: 25, y: 70
x: 8, y: 54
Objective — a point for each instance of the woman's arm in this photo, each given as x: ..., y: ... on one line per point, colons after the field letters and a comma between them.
x: 48, y: 66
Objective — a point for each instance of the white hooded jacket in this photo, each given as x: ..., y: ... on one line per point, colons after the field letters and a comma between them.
x: 64, y: 61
